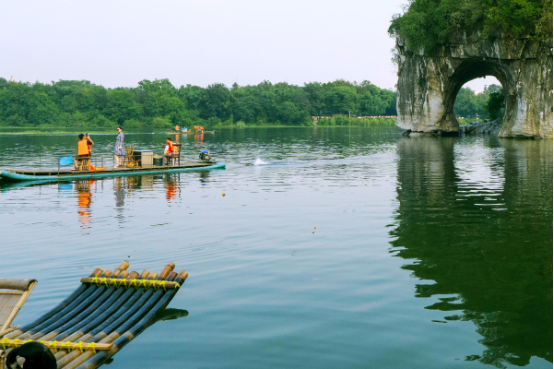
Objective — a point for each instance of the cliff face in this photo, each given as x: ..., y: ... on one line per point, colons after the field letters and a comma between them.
x: 428, y: 85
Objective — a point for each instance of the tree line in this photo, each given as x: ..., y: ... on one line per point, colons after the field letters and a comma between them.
x: 159, y: 104
x: 426, y: 24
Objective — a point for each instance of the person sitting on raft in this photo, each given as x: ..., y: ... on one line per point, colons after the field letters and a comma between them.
x: 84, y: 151
x: 168, y: 150
x: 83, y: 148
x: 177, y: 128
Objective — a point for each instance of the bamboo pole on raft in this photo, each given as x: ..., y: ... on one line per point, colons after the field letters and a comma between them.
x: 97, y: 272
x: 84, y: 310
x: 135, y: 330
x: 120, y: 325
x: 112, y: 323
x: 83, y: 335
x: 59, y: 310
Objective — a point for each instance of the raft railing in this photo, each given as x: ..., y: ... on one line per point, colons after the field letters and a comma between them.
x: 101, y: 316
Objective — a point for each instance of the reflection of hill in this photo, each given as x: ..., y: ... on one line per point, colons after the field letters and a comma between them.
x: 480, y: 225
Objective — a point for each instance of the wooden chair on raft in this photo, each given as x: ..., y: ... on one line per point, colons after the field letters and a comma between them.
x: 101, y: 316
x: 174, y: 158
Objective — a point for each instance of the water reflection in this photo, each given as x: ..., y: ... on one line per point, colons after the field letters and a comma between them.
x: 478, y: 233
x: 171, y: 186
x: 84, y: 200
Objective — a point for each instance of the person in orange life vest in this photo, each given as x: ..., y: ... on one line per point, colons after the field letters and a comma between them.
x: 168, y: 150
x: 83, y: 146
x: 82, y: 149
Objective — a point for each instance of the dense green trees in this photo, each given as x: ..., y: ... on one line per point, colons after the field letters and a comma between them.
x: 429, y: 23
x: 489, y: 104
x: 158, y: 104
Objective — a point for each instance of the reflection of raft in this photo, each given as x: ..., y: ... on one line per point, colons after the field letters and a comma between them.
x: 105, y: 313
x: 189, y: 132
x: 67, y: 174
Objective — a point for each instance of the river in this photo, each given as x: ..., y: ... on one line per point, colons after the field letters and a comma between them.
x: 315, y: 248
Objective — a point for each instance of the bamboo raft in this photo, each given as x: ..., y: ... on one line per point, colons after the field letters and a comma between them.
x: 101, y: 316
x: 68, y: 174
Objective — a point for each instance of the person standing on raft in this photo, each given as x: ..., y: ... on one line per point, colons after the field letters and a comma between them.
x: 118, y: 152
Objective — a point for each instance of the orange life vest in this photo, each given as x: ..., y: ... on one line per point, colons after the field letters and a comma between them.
x: 169, y: 148
x: 83, y: 148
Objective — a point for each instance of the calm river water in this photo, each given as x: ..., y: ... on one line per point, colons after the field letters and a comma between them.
x: 331, y: 248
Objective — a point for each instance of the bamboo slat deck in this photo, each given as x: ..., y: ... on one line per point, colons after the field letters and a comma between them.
x: 101, y: 316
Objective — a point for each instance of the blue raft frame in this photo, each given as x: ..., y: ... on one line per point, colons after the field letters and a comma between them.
x: 21, y: 175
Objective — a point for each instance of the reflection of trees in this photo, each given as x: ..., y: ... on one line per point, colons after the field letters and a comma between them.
x: 489, y: 247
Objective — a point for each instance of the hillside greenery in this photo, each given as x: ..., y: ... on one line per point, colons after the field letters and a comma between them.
x: 159, y: 104
x: 426, y: 24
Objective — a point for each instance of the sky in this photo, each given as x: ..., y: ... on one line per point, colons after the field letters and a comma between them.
x: 118, y: 43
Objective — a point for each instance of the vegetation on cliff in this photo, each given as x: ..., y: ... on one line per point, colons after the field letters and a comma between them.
x: 426, y: 24
x: 159, y: 104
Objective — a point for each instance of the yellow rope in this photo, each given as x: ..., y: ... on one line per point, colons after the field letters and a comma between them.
x: 55, y: 345
x: 137, y: 283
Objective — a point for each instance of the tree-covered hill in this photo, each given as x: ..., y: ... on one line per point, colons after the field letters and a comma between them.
x: 159, y: 104
x: 429, y: 23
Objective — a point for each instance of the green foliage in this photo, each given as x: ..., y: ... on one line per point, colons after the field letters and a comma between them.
x: 489, y: 104
x: 495, y: 106
x: 158, y: 104
x: 160, y: 122
x: 426, y: 24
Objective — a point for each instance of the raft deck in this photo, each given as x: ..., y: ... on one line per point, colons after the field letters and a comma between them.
x: 101, y: 316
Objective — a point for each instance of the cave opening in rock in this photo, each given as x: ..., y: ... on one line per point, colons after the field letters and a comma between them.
x: 480, y: 99
x: 488, y: 104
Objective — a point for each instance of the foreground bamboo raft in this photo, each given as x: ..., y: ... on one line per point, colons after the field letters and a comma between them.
x: 105, y: 313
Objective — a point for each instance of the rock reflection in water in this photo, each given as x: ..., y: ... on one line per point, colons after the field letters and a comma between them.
x: 481, y: 240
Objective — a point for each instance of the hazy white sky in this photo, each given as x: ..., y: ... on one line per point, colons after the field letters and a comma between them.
x: 121, y: 42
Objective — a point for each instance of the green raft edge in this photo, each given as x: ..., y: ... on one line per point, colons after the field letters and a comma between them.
x: 7, y: 174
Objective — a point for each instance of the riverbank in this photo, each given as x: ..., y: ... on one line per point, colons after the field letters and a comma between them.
x: 331, y: 122
x: 491, y: 127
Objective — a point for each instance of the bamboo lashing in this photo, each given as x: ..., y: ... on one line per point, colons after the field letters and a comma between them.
x: 58, y: 345
x: 146, y: 283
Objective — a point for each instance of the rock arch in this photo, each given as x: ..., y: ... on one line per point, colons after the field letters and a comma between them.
x: 428, y: 85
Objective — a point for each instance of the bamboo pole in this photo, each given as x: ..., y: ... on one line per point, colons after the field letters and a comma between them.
x: 62, y: 309
x: 133, y: 331
x: 108, y: 298
x: 120, y: 325
x: 82, y: 333
x: 93, y: 302
x: 64, y: 316
x: 98, y: 333
x: 62, y: 305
